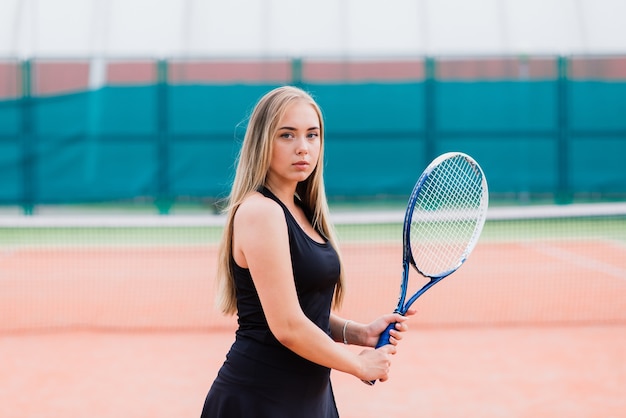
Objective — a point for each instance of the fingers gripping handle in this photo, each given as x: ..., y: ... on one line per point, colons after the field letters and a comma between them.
x: 384, y: 337
x: 382, y: 340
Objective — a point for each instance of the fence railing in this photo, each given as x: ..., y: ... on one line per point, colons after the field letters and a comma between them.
x: 92, y: 130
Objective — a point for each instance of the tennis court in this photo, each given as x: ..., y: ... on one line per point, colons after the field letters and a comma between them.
x: 113, y: 317
x: 121, y: 124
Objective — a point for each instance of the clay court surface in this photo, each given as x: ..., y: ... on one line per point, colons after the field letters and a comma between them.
x: 492, y: 372
x: 522, y: 330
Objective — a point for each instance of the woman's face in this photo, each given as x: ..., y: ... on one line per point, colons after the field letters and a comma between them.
x: 296, y: 146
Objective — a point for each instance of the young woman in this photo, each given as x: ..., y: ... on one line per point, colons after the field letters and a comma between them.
x: 280, y: 271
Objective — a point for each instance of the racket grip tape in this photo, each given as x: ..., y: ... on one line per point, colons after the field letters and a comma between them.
x: 382, y: 340
x: 384, y: 336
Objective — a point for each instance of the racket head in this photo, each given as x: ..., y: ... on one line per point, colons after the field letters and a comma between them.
x: 443, y: 221
x: 445, y: 215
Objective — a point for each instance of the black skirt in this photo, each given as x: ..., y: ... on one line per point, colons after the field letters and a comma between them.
x: 262, y: 382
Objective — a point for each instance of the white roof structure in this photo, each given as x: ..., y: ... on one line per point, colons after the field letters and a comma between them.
x: 309, y: 28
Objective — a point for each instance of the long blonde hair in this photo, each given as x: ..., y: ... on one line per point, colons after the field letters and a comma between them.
x: 252, y: 168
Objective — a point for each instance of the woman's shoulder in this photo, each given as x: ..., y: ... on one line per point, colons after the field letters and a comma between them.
x: 256, y: 207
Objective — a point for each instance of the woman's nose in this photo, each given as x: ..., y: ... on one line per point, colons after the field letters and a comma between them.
x: 303, y: 146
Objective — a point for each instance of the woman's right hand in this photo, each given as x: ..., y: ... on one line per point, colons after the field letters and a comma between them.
x: 375, y: 363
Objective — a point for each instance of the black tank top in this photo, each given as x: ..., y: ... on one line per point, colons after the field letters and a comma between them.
x: 315, y: 270
x: 261, y: 377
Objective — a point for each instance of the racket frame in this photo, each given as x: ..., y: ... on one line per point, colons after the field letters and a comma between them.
x: 407, y: 256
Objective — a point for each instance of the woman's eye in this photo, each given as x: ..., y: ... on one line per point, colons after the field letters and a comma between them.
x: 287, y: 135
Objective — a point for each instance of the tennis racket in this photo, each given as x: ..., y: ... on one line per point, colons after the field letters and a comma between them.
x: 443, y: 221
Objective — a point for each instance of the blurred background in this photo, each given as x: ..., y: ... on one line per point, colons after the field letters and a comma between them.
x: 108, y: 101
x: 120, y: 124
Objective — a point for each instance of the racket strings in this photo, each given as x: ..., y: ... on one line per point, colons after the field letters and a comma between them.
x: 448, y: 214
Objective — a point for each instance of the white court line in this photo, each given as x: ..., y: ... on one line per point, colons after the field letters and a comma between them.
x: 580, y: 261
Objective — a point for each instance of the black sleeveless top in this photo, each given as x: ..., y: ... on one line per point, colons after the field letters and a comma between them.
x: 261, y: 377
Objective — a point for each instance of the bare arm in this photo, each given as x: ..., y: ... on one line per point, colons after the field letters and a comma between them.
x: 260, y: 243
x: 367, y: 335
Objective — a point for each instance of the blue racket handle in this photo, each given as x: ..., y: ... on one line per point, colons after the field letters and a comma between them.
x: 382, y: 340
x: 384, y: 337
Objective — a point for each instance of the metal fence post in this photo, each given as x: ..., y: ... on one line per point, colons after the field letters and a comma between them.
x: 430, y: 112
x: 563, y: 193
x: 296, y: 71
x: 163, y: 198
x: 29, y: 161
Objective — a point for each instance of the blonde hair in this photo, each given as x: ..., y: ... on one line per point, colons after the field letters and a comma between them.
x: 252, y: 168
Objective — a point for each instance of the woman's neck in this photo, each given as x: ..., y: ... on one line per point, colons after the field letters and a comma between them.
x: 284, y: 193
